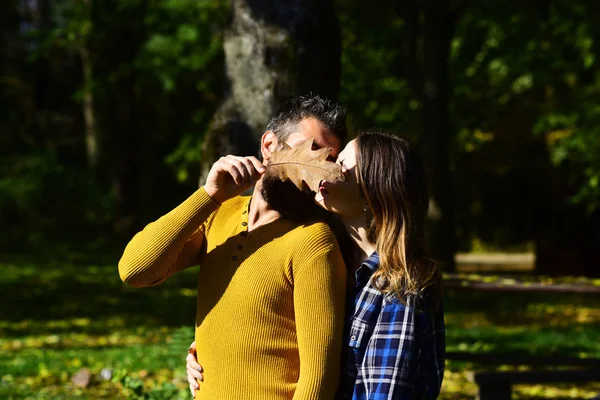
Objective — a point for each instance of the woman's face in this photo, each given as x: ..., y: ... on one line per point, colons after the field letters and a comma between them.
x: 343, y: 198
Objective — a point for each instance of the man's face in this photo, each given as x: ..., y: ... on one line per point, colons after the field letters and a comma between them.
x: 284, y: 196
x: 311, y: 128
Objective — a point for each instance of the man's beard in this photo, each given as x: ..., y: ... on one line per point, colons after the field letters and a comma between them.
x: 285, y: 198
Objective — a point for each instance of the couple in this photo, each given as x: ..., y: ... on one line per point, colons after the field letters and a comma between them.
x: 279, y: 312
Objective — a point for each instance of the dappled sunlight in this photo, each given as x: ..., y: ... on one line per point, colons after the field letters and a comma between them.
x: 558, y: 391
x: 520, y: 324
x: 458, y: 384
x: 113, y: 112
x: 63, y: 318
x: 118, y: 338
x: 140, y: 335
x: 524, y: 278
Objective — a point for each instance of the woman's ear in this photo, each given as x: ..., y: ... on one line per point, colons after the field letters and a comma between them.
x: 268, y: 144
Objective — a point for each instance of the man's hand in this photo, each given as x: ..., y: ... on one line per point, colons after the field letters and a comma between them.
x: 194, y: 370
x: 231, y: 175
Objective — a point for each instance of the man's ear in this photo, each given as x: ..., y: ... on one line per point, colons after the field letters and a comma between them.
x: 268, y: 144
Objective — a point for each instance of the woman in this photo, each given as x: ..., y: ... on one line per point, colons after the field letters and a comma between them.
x: 395, y: 335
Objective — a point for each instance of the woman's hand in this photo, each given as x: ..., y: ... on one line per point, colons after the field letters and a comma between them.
x: 194, y: 370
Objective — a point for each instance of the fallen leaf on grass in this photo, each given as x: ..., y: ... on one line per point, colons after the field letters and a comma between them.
x: 82, y: 378
x: 302, y: 164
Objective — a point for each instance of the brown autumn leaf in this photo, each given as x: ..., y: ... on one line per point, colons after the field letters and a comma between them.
x: 301, y: 163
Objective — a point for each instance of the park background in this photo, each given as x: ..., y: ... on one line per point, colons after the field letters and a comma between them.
x: 111, y: 111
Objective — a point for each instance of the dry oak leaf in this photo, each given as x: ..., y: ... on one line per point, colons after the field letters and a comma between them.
x: 301, y: 163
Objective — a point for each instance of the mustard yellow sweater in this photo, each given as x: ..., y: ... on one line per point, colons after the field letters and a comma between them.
x: 270, y: 301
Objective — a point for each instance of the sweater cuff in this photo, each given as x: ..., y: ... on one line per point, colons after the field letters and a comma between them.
x: 200, y: 200
x: 195, y: 209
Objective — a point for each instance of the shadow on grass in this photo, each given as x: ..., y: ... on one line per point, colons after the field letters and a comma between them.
x: 496, y: 302
x: 525, y: 323
x: 544, y: 341
x: 43, y: 297
x: 46, y: 293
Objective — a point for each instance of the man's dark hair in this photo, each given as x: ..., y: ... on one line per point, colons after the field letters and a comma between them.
x: 328, y: 112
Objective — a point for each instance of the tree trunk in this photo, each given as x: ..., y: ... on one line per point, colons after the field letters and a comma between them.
x: 272, y: 51
x: 89, y: 119
x: 426, y: 70
x: 124, y: 32
x: 127, y: 177
x: 435, y: 140
x: 40, y: 12
x: 91, y: 133
x: 567, y: 237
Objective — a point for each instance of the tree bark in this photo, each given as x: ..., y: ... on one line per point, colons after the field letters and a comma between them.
x: 40, y: 12
x: 87, y: 72
x: 273, y: 50
x: 567, y: 239
x: 123, y: 117
x: 427, y: 74
x: 91, y: 133
x: 439, y: 27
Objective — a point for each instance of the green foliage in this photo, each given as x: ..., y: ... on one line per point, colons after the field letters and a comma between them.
x: 372, y: 88
x: 545, y: 56
x: 186, y: 38
x: 153, y: 76
x: 512, y: 67
x: 184, y: 53
x: 36, y: 190
x: 134, y: 388
x: 524, y: 79
x: 574, y: 141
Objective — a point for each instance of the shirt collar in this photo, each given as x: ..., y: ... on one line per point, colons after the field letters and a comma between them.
x: 372, y: 262
x: 366, y: 269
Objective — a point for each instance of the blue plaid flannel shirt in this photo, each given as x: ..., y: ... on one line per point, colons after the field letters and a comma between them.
x: 394, y: 352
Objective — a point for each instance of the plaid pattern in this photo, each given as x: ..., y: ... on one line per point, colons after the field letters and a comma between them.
x: 394, y: 352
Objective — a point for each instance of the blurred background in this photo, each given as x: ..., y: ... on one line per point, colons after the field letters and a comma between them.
x: 111, y: 111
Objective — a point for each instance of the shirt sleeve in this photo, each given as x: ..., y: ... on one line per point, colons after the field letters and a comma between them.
x: 403, y: 343
x: 319, y: 301
x: 435, y: 339
x: 168, y: 245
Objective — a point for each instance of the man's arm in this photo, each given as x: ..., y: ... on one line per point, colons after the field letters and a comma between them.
x: 319, y: 300
x: 173, y: 242
x: 404, y: 343
x: 168, y: 245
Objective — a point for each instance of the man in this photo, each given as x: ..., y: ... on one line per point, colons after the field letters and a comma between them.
x: 271, y: 284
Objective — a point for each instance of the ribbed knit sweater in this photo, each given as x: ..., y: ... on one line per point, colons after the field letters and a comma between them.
x: 270, y: 301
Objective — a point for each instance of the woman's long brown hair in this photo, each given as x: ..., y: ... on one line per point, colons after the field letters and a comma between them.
x: 392, y: 178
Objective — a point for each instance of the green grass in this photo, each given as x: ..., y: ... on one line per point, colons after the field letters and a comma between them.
x: 59, y: 317
x: 538, y: 324
x: 522, y: 324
